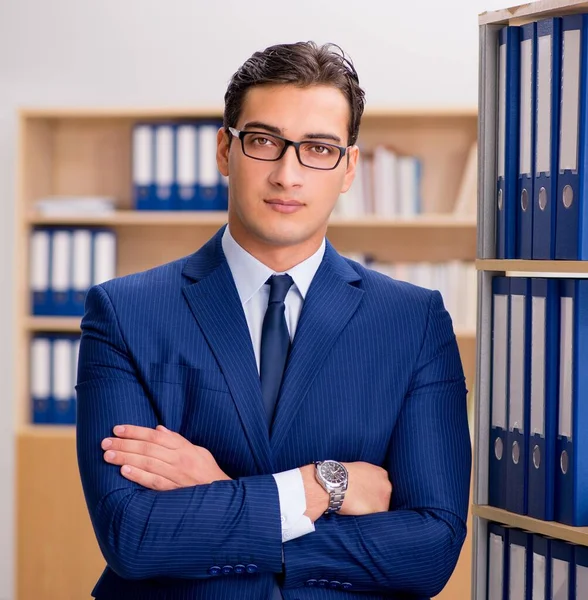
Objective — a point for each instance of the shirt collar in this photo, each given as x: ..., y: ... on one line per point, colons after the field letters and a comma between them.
x: 250, y: 274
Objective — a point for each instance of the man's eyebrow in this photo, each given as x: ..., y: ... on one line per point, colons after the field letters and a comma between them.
x: 322, y: 136
x: 261, y: 125
x: 278, y: 131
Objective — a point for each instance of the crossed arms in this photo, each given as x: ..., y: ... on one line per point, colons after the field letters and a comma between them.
x: 176, y: 512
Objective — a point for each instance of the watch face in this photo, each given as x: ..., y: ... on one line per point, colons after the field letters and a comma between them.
x: 333, y: 472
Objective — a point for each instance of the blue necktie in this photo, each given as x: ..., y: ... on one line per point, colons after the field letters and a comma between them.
x: 275, y: 343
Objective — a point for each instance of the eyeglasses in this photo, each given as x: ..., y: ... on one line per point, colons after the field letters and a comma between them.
x: 269, y: 147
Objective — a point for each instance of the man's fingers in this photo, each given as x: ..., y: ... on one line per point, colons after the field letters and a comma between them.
x: 148, y: 480
x: 154, y: 466
x: 139, y: 447
x: 166, y: 438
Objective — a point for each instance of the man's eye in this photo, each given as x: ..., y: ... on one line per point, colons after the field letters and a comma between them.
x: 262, y: 141
x: 322, y: 150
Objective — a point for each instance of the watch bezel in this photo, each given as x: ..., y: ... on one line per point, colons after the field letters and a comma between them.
x: 327, y: 484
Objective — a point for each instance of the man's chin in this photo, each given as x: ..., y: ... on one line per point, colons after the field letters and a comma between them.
x: 285, y: 237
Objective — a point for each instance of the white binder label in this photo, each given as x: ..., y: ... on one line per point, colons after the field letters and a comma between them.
x: 565, y: 367
x: 518, y: 573
x: 186, y: 148
x: 526, y: 106
x: 517, y: 364
x: 570, y: 99
x: 559, y: 580
x: 501, y: 109
x: 142, y: 155
x: 104, y: 256
x: 62, y: 370
x: 499, y: 355
x: 39, y: 261
x: 495, y: 568
x: 82, y: 259
x: 538, y: 577
x: 543, y: 124
x: 581, y: 581
x: 164, y: 168
x: 60, y: 266
x: 40, y: 368
x: 207, y: 171
x: 538, y: 366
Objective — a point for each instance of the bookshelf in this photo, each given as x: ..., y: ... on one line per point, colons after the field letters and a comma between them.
x: 88, y: 151
x: 490, y: 24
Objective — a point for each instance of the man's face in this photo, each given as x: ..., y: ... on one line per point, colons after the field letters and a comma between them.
x: 284, y: 203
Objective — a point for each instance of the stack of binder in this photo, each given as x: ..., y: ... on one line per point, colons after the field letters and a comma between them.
x: 53, y: 373
x: 539, y: 415
x: 529, y: 566
x: 386, y: 184
x: 174, y: 167
x: 64, y: 263
x: 541, y: 187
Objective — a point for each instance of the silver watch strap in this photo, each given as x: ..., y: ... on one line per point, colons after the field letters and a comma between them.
x: 335, y: 501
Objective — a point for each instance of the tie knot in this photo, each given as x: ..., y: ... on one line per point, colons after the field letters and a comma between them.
x: 279, y: 286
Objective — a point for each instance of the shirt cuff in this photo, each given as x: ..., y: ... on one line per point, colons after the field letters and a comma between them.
x: 292, y: 505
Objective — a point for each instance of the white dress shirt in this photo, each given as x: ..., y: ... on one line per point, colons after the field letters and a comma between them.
x: 250, y: 277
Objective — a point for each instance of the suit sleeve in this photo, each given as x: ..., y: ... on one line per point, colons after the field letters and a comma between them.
x: 414, y: 547
x: 144, y: 533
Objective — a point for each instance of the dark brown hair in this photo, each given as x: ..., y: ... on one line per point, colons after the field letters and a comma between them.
x: 302, y: 64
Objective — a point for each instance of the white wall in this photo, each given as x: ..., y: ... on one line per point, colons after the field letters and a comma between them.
x: 183, y: 52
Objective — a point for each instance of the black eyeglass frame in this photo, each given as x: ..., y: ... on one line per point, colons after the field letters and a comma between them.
x: 287, y: 143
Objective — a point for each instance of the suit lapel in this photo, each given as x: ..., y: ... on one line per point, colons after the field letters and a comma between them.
x: 215, y: 304
x: 330, y: 303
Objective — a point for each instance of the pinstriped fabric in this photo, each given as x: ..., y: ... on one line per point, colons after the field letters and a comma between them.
x: 374, y: 375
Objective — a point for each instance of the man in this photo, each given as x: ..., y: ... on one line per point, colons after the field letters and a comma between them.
x: 209, y: 388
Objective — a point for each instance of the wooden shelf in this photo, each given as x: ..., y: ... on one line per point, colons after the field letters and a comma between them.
x: 556, y: 267
x: 137, y: 113
x: 47, y: 431
x: 524, y: 13
x: 73, y: 324
x: 574, y: 535
x: 134, y: 218
x: 465, y: 334
x: 53, y: 324
x: 219, y: 218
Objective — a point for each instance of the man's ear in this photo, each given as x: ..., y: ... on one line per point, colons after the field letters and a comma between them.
x: 222, y: 151
x: 352, y: 158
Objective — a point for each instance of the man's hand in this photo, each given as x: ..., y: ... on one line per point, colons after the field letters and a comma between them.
x: 368, y: 491
x: 160, y: 459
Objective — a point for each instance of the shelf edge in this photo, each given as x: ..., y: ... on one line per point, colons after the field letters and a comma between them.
x: 553, y: 529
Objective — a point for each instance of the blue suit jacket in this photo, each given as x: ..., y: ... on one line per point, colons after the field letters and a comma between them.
x: 373, y: 375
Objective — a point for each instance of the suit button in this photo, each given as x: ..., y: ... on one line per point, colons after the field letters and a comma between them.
x: 335, y: 584
x: 346, y: 585
x: 227, y: 570
x: 323, y: 582
x: 251, y: 568
x: 214, y: 571
x: 311, y: 583
x: 240, y: 569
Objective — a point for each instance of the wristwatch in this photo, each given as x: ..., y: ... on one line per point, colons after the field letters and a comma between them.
x: 332, y: 475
